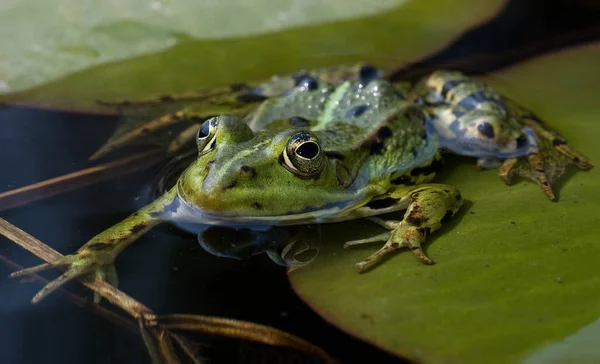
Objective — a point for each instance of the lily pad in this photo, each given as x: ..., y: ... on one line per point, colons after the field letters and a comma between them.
x: 177, y: 59
x: 516, y: 278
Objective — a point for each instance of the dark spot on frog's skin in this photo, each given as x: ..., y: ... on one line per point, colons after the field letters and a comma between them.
x: 457, y: 114
x: 416, y: 218
x: 97, y: 246
x: 403, y: 180
x: 395, y: 245
x: 447, y: 216
x: 449, y: 85
x: 556, y: 142
x: 456, y: 129
x: 368, y: 73
x: 356, y: 111
x: 145, y: 131
x: 473, y: 100
x: 299, y: 122
x: 414, y: 153
x: 306, y: 82
x: 135, y: 214
x: 137, y: 228
x: 382, y: 204
x: 384, y: 132
x: 248, y: 171
x: 521, y: 141
x: 166, y: 98
x: 435, y: 166
x: 513, y: 223
x: 486, y: 129
x: 231, y: 185
x: 376, y: 142
x: 256, y: 206
x: 250, y: 97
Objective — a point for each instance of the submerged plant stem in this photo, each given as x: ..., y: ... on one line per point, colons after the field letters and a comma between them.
x: 156, y: 329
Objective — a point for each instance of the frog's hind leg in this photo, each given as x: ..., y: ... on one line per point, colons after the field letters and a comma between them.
x: 430, y: 205
x: 558, y: 142
x: 549, y: 161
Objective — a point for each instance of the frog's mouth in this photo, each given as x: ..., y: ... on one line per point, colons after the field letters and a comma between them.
x: 184, y: 211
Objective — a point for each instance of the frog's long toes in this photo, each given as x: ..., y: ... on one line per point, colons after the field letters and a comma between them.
x: 31, y: 270
x: 373, y: 239
x: 61, y: 262
x: 377, y: 257
x: 505, y: 171
x: 537, y: 165
x: 69, y: 275
x: 419, y: 254
x: 580, y: 160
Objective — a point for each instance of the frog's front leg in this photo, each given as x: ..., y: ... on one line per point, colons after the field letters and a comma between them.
x: 428, y: 206
x: 97, y: 255
x: 190, y: 117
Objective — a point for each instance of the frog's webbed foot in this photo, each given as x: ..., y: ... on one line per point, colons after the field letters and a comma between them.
x: 536, y: 171
x: 430, y: 205
x: 85, y: 262
x: 548, y: 163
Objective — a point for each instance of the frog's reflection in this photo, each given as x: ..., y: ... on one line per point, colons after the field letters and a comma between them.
x: 293, y: 247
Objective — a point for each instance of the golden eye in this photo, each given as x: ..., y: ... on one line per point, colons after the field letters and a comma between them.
x: 207, y: 135
x: 303, y: 155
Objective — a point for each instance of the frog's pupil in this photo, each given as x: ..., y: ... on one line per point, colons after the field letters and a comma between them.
x: 308, y: 150
x: 307, y: 82
x: 368, y: 73
x: 204, y: 131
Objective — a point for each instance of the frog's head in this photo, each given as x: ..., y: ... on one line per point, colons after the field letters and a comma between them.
x: 240, y: 173
x: 488, y: 134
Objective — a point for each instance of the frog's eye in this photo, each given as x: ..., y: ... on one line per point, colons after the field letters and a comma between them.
x: 207, y: 135
x: 303, y: 155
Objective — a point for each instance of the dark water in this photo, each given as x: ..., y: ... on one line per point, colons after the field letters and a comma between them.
x: 167, y: 270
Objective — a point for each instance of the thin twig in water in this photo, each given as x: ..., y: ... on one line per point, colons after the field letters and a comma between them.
x: 155, y: 328
x: 79, y: 179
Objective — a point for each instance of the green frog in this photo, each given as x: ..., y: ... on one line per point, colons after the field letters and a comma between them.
x: 322, y: 149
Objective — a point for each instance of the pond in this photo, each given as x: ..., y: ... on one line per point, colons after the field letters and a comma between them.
x: 168, y: 270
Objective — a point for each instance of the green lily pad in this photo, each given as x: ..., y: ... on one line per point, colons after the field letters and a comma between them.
x: 181, y: 59
x: 516, y: 278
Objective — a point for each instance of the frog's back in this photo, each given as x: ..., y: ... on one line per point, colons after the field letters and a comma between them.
x: 370, y: 125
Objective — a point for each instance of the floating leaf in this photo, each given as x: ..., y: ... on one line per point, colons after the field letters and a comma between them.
x: 411, y: 30
x: 516, y: 277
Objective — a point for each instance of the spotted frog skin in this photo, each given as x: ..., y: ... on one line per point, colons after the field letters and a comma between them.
x: 334, y: 145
